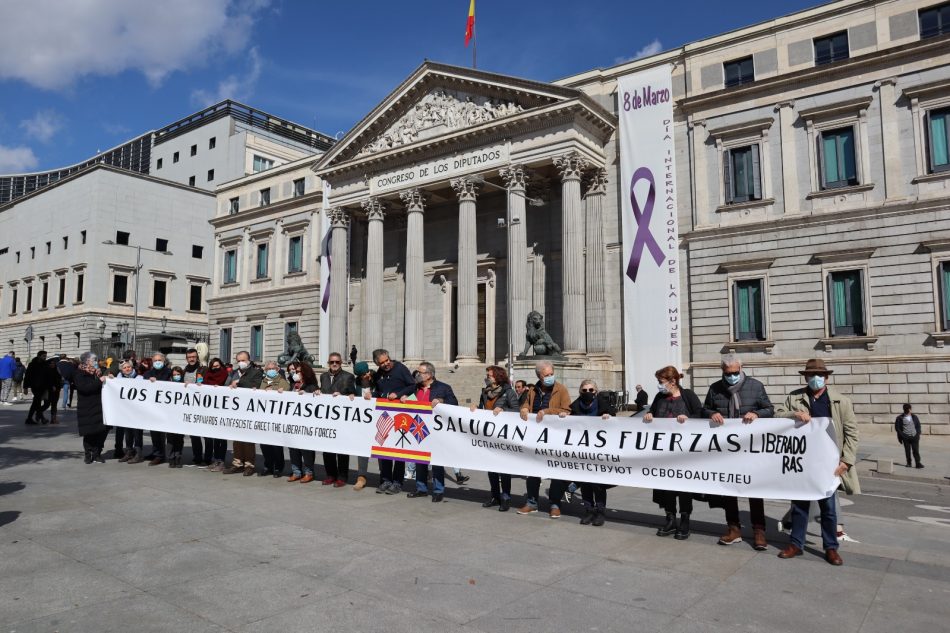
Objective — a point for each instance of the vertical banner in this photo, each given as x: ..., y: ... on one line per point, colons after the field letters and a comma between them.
x: 651, y: 305
x: 324, y: 341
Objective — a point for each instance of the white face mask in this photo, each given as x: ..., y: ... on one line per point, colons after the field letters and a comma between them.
x: 243, y: 364
x: 298, y: 377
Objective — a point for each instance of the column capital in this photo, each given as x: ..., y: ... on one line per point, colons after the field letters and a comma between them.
x: 414, y: 199
x: 570, y: 165
x: 784, y: 104
x: 515, y: 176
x: 339, y: 217
x: 374, y: 208
x: 465, y: 188
x: 596, y: 181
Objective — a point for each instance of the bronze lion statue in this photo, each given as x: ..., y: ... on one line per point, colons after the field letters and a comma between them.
x: 295, y: 352
x: 537, y: 338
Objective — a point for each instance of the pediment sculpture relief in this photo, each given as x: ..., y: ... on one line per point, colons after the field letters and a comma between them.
x: 438, y: 112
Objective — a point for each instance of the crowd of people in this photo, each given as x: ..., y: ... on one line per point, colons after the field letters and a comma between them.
x: 735, y: 395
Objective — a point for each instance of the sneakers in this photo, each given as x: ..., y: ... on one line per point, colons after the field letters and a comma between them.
x: 732, y: 536
x: 383, y: 487
x: 394, y: 489
x: 360, y: 483
x: 461, y: 479
x: 554, y: 512
x: 527, y: 509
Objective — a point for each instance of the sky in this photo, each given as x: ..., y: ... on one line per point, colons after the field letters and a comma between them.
x: 83, y: 76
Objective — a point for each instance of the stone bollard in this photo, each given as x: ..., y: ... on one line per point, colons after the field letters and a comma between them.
x: 885, y: 466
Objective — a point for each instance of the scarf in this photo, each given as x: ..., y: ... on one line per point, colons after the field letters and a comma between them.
x: 735, y: 402
x: 492, y: 393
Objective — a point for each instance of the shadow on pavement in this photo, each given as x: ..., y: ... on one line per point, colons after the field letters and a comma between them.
x: 9, y: 516
x: 12, y: 456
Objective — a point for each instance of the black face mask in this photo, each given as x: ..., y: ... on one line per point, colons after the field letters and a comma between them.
x: 587, y: 397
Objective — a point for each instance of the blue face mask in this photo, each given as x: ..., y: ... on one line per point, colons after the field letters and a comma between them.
x: 548, y: 381
x: 732, y: 379
x: 176, y: 378
x: 158, y: 364
x: 816, y: 383
x: 271, y: 373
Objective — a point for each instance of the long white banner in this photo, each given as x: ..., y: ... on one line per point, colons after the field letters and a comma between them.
x: 770, y: 458
x: 651, y: 278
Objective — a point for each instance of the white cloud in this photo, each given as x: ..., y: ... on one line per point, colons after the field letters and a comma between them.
x: 51, y: 44
x: 237, y: 87
x: 43, y: 125
x: 652, y: 48
x: 15, y: 160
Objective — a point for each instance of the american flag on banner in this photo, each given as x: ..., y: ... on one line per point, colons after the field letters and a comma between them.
x: 384, y: 425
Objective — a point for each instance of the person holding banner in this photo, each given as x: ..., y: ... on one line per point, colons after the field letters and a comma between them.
x: 546, y: 397
x: 498, y: 396
x: 365, y: 378
x: 273, y: 455
x: 336, y: 381
x: 247, y: 375
x: 88, y: 382
x: 820, y: 400
x: 436, y: 392
x: 159, y: 372
x: 133, y: 437
x: 393, y: 381
x: 592, y: 403
x: 673, y: 401
x: 217, y: 376
x: 303, y: 380
x: 737, y: 395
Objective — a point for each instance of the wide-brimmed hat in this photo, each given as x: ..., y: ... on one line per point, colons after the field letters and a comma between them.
x: 815, y: 366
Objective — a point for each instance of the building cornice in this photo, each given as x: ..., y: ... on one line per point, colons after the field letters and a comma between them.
x: 259, y: 213
x: 268, y: 292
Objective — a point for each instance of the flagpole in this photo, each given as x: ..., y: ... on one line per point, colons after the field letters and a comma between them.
x: 474, y: 45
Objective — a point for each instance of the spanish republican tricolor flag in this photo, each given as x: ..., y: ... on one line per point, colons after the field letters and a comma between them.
x: 470, y: 23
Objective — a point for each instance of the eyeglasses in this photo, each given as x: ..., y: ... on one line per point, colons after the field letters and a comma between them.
x: 731, y: 373
x: 334, y: 362
x: 588, y: 391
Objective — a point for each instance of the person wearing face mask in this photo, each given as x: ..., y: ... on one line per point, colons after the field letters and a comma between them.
x: 160, y: 372
x: 737, y: 395
x: 497, y: 397
x: 428, y: 389
x: 365, y: 378
x: 133, y: 437
x: 302, y: 380
x: 672, y: 400
x: 217, y: 376
x: 193, y: 373
x: 273, y: 455
x: 593, y: 403
x: 176, y: 441
x: 93, y: 430
x: 820, y: 400
x: 336, y: 381
x: 245, y: 375
x: 546, y: 397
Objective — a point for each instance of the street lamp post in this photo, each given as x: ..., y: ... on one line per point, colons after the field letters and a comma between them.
x: 138, y: 269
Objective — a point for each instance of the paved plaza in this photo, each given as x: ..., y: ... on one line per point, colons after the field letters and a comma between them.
x: 116, y: 547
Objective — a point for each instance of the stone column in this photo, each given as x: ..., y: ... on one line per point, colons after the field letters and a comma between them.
x: 467, y: 330
x: 702, y: 214
x: 786, y: 114
x: 415, y: 276
x: 594, y: 269
x: 339, y: 278
x: 373, y: 286
x: 519, y: 303
x: 890, y: 137
x: 572, y: 255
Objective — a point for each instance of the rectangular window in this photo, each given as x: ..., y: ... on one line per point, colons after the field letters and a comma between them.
x: 944, y: 272
x: 210, y: 175
x: 29, y: 298
x: 257, y: 343
x: 120, y: 288
x: 175, y: 157
x: 262, y: 261
x: 846, y: 303
x: 61, y: 296
x: 65, y: 242
x: 122, y: 237
x: 832, y: 48
x: 935, y: 21
x: 265, y: 197
x: 743, y: 174
x: 197, y: 252
x: 82, y: 237
x: 32, y: 252
x: 191, y: 181
x: 80, y: 279
x: 299, y: 187
x: 938, y: 132
x: 159, y: 290
x: 261, y: 163
x: 234, y: 205
x: 44, y: 296
x: 295, y: 254
x: 194, y: 299
x: 224, y: 343
x: 18, y: 257
x: 739, y: 72
x: 838, y: 158
x: 212, y: 142
x: 13, y: 301
x: 230, y: 267
x: 49, y: 248
x: 194, y: 150
x: 158, y: 164
x: 161, y: 245
x: 290, y: 327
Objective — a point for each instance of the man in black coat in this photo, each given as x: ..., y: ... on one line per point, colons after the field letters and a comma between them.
x: 37, y: 381
x: 642, y: 399
x: 160, y: 372
x: 393, y: 381
x: 737, y: 395
x: 907, y: 426
x: 428, y: 389
x: 337, y: 382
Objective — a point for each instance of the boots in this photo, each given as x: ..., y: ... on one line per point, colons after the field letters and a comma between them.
x: 682, y: 532
x: 598, y: 517
x: 669, y: 527
x: 88, y: 455
x: 589, y: 514
x: 97, y: 456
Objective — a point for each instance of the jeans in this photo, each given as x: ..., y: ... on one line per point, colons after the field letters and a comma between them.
x: 66, y: 389
x: 438, y: 478
x: 912, y: 445
x: 6, y: 387
x: 362, y: 466
x: 500, y: 485
x: 829, y: 522
x: 391, y: 471
x: 756, y: 511
x: 301, y: 461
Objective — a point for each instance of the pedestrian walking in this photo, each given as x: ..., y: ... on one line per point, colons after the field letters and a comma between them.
x: 908, y: 434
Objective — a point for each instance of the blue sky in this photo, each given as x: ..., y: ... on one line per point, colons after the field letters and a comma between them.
x: 86, y: 75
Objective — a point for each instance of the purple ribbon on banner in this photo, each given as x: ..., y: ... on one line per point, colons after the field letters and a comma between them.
x: 644, y: 238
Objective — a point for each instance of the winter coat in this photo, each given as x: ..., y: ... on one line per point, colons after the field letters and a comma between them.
x: 275, y: 384
x: 397, y: 380
x: 507, y: 400
x: 89, y: 409
x: 442, y: 391
x: 752, y: 397
x: 37, y: 376
x: 250, y: 378
x: 343, y: 383
x: 7, y: 367
x: 845, y: 426
x: 603, y: 406
x: 160, y: 375
x: 694, y: 408
x: 899, y: 426
x: 560, y: 401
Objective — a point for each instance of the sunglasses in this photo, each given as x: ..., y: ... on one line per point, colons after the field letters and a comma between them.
x: 335, y: 362
x: 588, y: 391
x: 731, y: 373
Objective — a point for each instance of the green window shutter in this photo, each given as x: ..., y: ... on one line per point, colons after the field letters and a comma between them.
x: 748, y: 302
x: 846, y: 156
x: 945, y: 292
x: 727, y: 176
x: 756, y: 175
x: 939, y: 140
x: 829, y: 159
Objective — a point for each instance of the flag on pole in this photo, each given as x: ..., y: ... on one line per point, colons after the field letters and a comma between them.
x: 470, y: 23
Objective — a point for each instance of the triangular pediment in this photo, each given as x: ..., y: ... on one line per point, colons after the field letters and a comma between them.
x: 436, y: 100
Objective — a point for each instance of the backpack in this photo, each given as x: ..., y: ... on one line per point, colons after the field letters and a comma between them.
x: 19, y: 373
